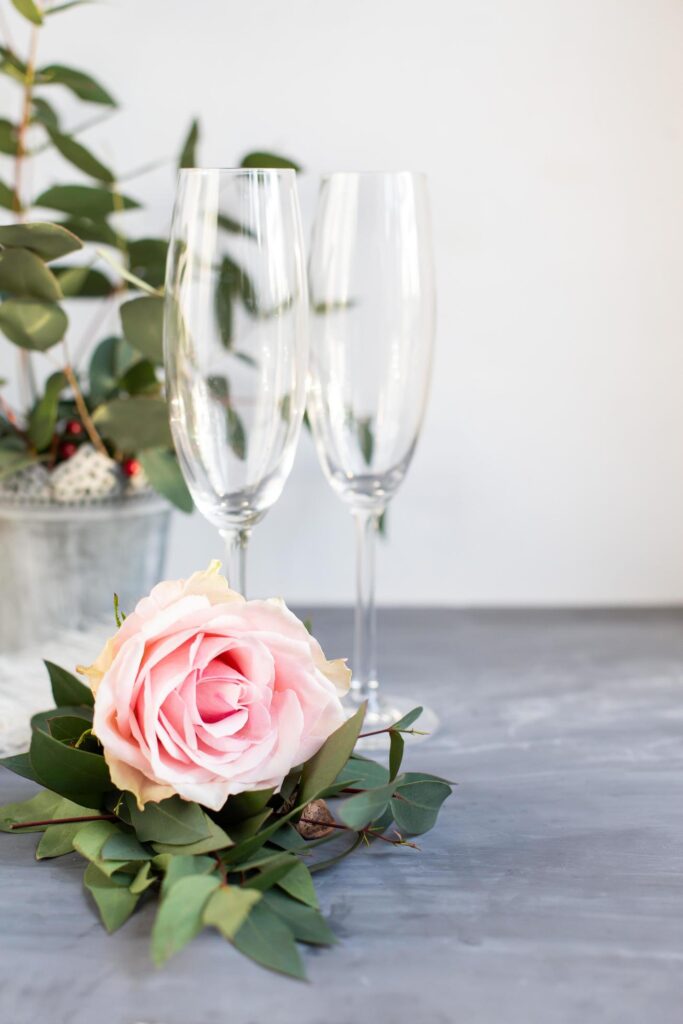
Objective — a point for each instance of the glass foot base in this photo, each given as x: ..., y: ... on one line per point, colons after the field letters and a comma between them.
x: 387, y: 710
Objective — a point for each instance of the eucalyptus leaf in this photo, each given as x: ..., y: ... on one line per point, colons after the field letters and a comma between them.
x: 44, y: 806
x: 81, y: 84
x: 49, y: 241
x: 12, y: 66
x: 305, y: 922
x: 265, y: 938
x: 299, y: 884
x: 133, y: 424
x: 358, y: 811
x: 25, y: 276
x: 408, y: 719
x: 44, y: 113
x: 110, y: 361
x: 79, y: 775
x: 95, y: 229
x: 163, y: 472
x: 179, y: 917
x: 67, y: 690
x: 273, y: 871
x: 82, y: 282
x: 31, y: 324
x: 416, y: 804
x: 147, y: 260
x: 30, y: 10
x: 20, y: 764
x: 324, y: 767
x: 6, y: 196
x: 396, y: 748
x: 79, y: 156
x: 114, y: 899
x: 140, y: 379
x: 57, y: 841
x: 216, y: 840
x: 142, y: 320
x: 188, y: 153
x: 143, y: 879
x: 260, y: 160
x: 228, y: 908
x: 173, y: 821
x: 43, y: 418
x: 124, y: 846
x: 9, y: 140
x: 177, y: 866
x: 84, y: 200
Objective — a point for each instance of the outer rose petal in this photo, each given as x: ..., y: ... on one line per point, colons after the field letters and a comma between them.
x: 205, y: 695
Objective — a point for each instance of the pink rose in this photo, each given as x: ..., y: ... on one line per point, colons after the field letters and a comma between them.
x: 204, y: 694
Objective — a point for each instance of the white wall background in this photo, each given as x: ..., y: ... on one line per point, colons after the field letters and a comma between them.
x: 551, y: 466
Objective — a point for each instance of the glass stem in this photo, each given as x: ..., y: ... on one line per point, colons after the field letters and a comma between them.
x: 236, y: 557
x: 364, y: 683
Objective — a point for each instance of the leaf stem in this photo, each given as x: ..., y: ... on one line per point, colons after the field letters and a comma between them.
x: 65, y: 821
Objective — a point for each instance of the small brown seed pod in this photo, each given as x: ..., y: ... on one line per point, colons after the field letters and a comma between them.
x: 316, y: 821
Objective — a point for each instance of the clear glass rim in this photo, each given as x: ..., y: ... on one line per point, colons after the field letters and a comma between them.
x: 246, y: 171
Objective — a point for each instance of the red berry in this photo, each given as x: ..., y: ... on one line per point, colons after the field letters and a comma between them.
x: 67, y: 449
x: 130, y: 467
x: 73, y: 428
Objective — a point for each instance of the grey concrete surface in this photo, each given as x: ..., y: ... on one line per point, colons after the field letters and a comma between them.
x: 551, y: 891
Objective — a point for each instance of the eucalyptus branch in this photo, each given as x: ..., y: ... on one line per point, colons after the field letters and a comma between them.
x: 367, y: 832
x: 63, y: 821
x: 83, y: 412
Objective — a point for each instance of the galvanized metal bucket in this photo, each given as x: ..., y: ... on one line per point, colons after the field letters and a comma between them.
x: 60, y: 565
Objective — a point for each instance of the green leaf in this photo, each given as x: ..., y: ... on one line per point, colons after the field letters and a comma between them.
x: 265, y: 938
x: 180, y: 915
x: 140, y: 379
x: 49, y: 241
x: 177, y: 866
x: 9, y: 140
x: 143, y: 322
x: 124, y: 846
x: 84, y: 200
x: 147, y: 260
x: 30, y: 10
x: 173, y: 821
x: 66, y: 689
x: 20, y: 764
x: 110, y: 361
x: 57, y: 841
x: 43, y: 419
x: 228, y: 908
x: 223, y: 296
x: 67, y: 6
x: 31, y: 324
x: 358, y: 811
x: 217, y: 840
x: 92, y: 837
x: 245, y: 805
x: 25, y: 276
x: 133, y: 424
x: 82, y: 85
x: 44, y: 113
x: 163, y: 472
x: 416, y: 804
x: 276, y: 868
x: 79, y: 156
x: 6, y: 196
x: 44, y: 806
x: 69, y: 728
x: 94, y: 229
x: 76, y: 774
x: 299, y: 884
x: 268, y: 160
x: 114, y: 899
x: 188, y: 153
x: 82, y: 282
x: 12, y: 461
x: 305, y: 922
x: 396, y: 747
x: 407, y: 720
x: 237, y: 438
x: 363, y: 773
x: 143, y: 879
x: 323, y: 768
x: 11, y: 65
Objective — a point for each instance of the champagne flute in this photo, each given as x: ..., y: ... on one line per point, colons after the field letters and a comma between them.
x: 236, y: 344
x: 372, y: 292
